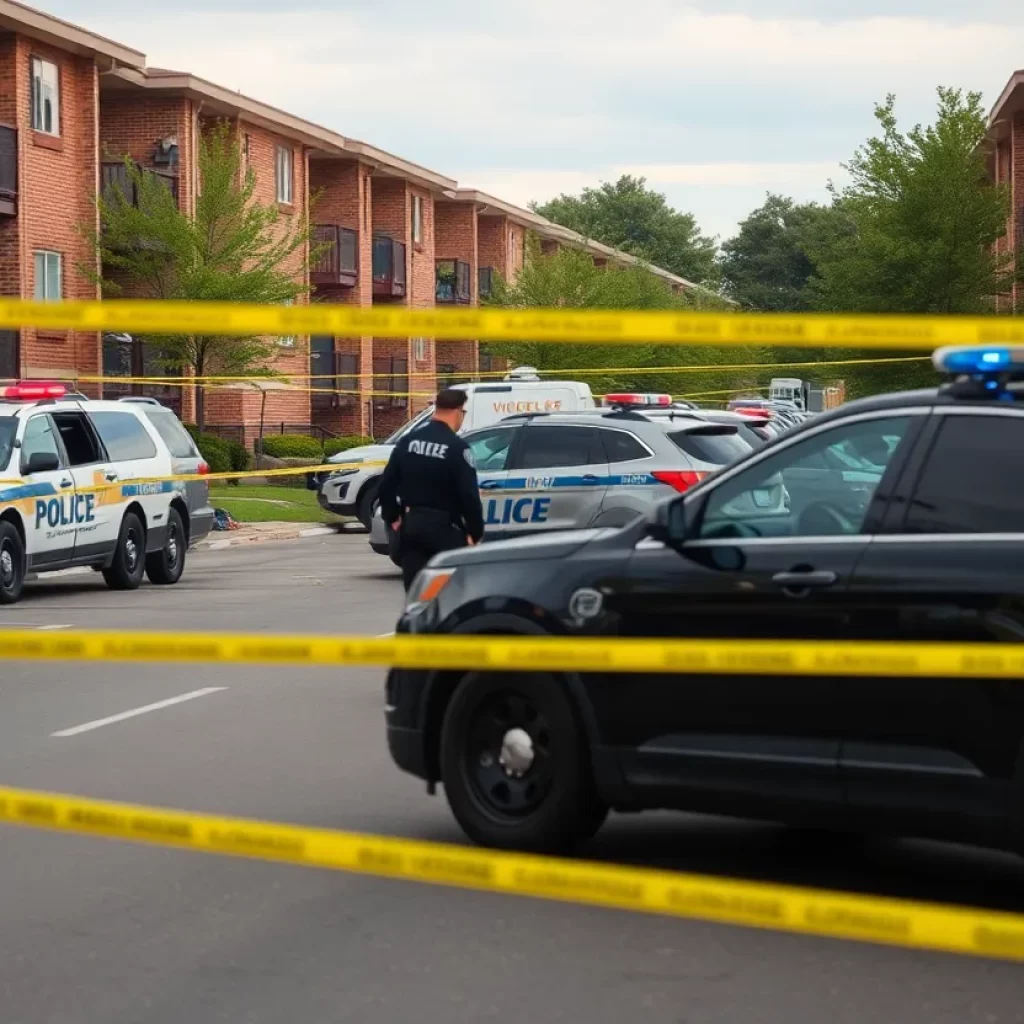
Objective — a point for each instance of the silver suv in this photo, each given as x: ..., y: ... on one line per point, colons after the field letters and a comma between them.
x: 541, y: 472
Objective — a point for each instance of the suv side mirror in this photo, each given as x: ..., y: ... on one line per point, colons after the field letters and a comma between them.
x: 672, y: 522
x: 41, y: 462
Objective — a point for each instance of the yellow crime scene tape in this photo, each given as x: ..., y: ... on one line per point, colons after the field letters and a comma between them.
x: 877, y: 331
x: 187, y: 381
x: 756, y: 904
x: 519, y: 653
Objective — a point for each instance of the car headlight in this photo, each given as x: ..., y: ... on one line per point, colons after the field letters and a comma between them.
x: 427, y: 585
x: 342, y: 472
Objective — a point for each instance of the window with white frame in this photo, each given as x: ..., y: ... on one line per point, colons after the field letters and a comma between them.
x: 420, y: 349
x: 284, y: 174
x: 49, y: 285
x: 45, y: 96
x: 417, y: 220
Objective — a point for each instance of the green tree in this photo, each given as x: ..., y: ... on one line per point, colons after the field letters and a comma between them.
x: 235, y: 249
x: 926, y: 218
x: 568, y: 278
x: 768, y: 265
x: 637, y: 220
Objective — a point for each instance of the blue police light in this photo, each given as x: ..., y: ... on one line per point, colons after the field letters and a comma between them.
x: 977, y: 359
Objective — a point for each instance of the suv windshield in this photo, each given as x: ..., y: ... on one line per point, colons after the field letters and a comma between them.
x: 8, y: 428
x: 716, y: 443
x: 411, y: 425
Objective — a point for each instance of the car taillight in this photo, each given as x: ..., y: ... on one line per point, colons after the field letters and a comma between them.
x: 203, y: 469
x: 680, y: 479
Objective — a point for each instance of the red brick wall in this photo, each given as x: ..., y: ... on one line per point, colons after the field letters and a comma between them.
x: 57, y: 187
x: 342, y: 193
x: 456, y: 237
x: 501, y: 245
x: 1015, y: 173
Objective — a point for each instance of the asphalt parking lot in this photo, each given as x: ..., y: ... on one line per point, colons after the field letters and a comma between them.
x: 97, y: 931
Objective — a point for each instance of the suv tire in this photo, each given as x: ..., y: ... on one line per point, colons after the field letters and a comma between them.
x: 129, y: 564
x: 367, y: 504
x: 515, y: 765
x: 164, y: 567
x: 12, y: 563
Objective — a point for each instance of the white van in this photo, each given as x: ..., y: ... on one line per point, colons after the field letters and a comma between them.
x: 352, y: 490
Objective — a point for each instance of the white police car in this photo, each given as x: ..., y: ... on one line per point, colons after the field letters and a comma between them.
x: 67, y: 497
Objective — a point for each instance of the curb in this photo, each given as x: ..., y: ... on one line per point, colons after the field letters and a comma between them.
x: 261, y: 538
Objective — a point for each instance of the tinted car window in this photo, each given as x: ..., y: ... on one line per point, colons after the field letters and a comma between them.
x: 717, y: 444
x: 973, y: 481
x: 79, y: 438
x: 544, y: 447
x: 8, y: 428
x: 622, y: 447
x: 817, y: 499
x: 175, y: 436
x: 490, y: 448
x: 124, y: 437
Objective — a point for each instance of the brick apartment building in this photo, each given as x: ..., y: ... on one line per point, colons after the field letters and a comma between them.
x: 1006, y: 166
x: 73, y: 105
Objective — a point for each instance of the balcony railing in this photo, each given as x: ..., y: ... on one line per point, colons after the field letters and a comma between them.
x: 485, y: 282
x: 8, y: 171
x: 388, y: 267
x: 452, y: 282
x: 333, y: 371
x: 337, y: 261
x: 115, y: 176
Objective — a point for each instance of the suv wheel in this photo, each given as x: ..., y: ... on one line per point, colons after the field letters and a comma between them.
x: 514, y: 764
x: 12, y: 563
x: 368, y: 505
x: 125, y: 572
x: 166, y: 565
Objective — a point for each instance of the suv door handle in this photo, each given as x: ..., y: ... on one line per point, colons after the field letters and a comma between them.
x: 589, y: 478
x: 489, y: 485
x: 806, y: 578
x: 111, y: 477
x: 66, y: 483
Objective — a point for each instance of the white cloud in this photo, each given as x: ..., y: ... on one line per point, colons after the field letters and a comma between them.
x: 714, y: 101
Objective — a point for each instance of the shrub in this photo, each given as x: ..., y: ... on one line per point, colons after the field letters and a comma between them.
x: 342, y: 444
x: 292, y: 446
x: 215, y: 453
x: 241, y: 457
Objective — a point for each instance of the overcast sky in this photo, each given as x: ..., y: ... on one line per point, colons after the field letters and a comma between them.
x: 714, y: 101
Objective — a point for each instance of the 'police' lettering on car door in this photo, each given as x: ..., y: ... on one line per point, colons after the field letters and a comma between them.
x: 69, y: 510
x: 502, y: 512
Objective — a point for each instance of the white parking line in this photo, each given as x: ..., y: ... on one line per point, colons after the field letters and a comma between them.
x: 100, y: 722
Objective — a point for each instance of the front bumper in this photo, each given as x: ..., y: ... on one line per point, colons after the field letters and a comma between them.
x: 333, y: 497
x: 406, y: 738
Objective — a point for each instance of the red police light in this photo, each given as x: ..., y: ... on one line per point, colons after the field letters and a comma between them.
x: 637, y: 398
x: 33, y: 390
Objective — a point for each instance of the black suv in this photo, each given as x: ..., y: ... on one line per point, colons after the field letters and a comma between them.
x: 902, y: 519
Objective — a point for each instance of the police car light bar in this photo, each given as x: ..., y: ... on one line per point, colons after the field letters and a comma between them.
x: 30, y: 391
x: 635, y: 398
x: 975, y: 359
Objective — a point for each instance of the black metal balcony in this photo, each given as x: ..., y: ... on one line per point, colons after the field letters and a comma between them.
x: 337, y: 259
x: 388, y: 267
x: 452, y: 282
x: 8, y: 171
x: 485, y: 282
x: 114, y: 176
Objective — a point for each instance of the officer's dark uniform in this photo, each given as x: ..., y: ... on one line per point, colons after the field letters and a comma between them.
x: 432, y: 471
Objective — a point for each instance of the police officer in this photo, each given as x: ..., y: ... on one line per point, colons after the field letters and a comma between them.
x: 431, y: 470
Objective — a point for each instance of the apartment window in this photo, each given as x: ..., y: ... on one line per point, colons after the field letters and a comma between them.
x: 284, y: 174
x: 287, y: 340
x: 246, y: 153
x: 420, y: 349
x: 49, y: 286
x: 45, y: 96
x: 417, y: 220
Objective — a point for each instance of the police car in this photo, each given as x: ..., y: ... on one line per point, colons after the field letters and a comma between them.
x: 604, y: 467
x: 67, y: 496
x: 905, y: 522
